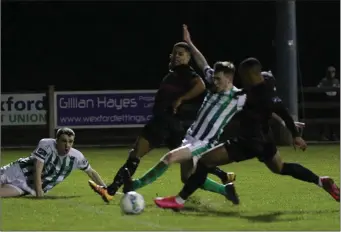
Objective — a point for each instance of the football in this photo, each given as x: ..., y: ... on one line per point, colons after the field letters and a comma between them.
x: 132, y: 203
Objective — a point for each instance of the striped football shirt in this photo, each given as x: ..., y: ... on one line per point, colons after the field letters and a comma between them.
x: 56, y: 168
x: 215, y: 112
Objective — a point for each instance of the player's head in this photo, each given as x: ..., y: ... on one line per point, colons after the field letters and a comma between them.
x: 223, y: 75
x: 181, y: 54
x: 250, y: 71
x: 330, y: 72
x: 65, y: 138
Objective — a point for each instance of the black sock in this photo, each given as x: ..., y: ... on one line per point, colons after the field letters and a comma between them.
x: 132, y: 164
x: 195, y: 181
x: 219, y: 173
x: 299, y: 172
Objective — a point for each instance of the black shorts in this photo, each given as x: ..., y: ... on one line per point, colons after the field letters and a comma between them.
x: 240, y: 149
x: 164, y: 129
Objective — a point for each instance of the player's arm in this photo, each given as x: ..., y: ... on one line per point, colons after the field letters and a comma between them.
x: 198, y: 57
x: 280, y: 110
x: 38, y: 168
x: 93, y: 174
x: 84, y: 165
x: 278, y: 118
x: 281, y: 121
x: 40, y: 155
x: 198, y: 87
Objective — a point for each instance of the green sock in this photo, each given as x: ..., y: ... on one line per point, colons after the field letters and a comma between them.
x: 212, y: 186
x: 150, y: 176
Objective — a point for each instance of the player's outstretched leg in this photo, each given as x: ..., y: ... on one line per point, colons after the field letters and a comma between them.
x: 179, y: 155
x: 127, y: 181
x: 299, y: 172
x: 215, y: 157
x: 210, y: 185
x: 225, y: 177
x: 193, y: 183
x: 141, y: 148
x: 10, y: 191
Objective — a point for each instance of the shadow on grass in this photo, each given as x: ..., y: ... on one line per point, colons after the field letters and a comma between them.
x: 50, y: 197
x: 196, y: 208
x: 205, y: 211
x: 261, y: 217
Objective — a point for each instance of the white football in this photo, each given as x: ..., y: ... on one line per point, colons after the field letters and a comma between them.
x: 132, y: 203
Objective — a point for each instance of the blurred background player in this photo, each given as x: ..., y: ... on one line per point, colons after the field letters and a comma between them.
x: 181, y: 84
x: 254, y: 141
x: 49, y: 164
x: 327, y: 131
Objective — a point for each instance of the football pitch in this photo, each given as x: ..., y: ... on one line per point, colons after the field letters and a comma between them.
x: 268, y: 201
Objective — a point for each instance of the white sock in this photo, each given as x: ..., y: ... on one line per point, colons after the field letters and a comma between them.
x: 179, y: 200
x: 320, y: 182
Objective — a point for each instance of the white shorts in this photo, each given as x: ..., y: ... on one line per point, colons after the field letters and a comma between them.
x: 197, y: 147
x: 13, y: 176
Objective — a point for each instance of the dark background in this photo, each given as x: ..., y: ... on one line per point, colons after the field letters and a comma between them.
x: 125, y: 45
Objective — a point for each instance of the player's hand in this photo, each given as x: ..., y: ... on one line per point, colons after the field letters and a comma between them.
x: 300, y: 125
x: 300, y: 143
x: 186, y: 34
x: 40, y: 194
x: 176, y: 105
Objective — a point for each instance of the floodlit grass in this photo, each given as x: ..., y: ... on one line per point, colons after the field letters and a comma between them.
x: 268, y: 201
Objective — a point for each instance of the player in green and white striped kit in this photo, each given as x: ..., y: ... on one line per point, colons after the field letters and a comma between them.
x: 49, y: 164
x: 219, y: 106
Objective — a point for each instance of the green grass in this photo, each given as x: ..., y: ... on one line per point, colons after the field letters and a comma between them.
x: 268, y: 201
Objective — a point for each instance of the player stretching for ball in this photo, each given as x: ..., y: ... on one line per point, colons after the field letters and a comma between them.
x: 181, y: 84
x: 254, y: 141
x: 49, y: 164
x: 216, y: 111
x: 219, y: 106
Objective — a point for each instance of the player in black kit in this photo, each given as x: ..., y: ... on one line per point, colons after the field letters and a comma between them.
x: 181, y: 84
x: 254, y: 140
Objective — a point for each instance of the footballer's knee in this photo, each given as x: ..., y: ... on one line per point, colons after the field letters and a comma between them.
x: 185, y: 176
x: 276, y: 164
x: 168, y: 158
x: 137, y: 153
x: 140, y: 149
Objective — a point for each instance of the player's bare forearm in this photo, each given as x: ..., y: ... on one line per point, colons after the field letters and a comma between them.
x: 37, y: 178
x: 95, y: 177
x: 198, y: 57
x: 197, y: 89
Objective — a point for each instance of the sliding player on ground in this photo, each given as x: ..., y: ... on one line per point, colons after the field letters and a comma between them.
x: 49, y: 164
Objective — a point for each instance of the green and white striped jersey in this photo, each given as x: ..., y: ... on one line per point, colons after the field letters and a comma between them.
x: 56, y: 168
x: 215, y: 112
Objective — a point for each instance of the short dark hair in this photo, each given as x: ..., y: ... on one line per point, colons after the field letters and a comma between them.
x: 182, y: 45
x: 250, y: 63
x: 64, y: 131
x: 225, y: 67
